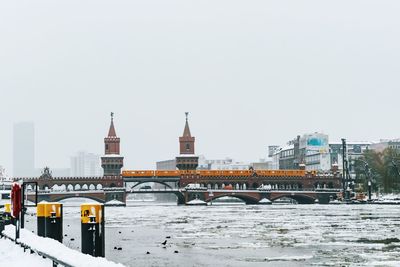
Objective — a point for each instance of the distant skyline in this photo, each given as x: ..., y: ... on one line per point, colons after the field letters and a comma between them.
x: 23, y: 149
x: 251, y: 74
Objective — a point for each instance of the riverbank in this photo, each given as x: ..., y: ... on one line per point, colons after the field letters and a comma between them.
x: 13, y: 255
x: 52, y: 249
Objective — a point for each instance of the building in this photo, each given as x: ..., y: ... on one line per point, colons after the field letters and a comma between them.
x: 169, y: 164
x: 355, y: 150
x: 317, y: 153
x: 286, y: 157
x: 24, y: 149
x: 314, y: 151
x: 85, y: 164
x: 262, y: 165
x: 227, y: 164
x: 386, y: 143
x: 217, y: 164
x: 311, y: 150
x: 272, y: 150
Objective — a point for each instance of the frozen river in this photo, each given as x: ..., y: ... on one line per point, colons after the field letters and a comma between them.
x: 240, y: 235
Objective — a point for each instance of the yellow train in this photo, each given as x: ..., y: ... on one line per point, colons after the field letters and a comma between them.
x: 217, y: 173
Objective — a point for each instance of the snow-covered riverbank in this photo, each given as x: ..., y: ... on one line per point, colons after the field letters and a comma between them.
x: 12, y: 255
x: 53, y: 248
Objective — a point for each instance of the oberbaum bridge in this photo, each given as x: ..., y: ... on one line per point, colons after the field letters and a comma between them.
x: 305, y: 187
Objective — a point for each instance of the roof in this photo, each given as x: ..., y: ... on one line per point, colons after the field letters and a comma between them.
x: 111, y: 131
x: 186, y: 131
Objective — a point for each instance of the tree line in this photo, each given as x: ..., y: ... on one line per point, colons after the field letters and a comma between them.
x: 383, y: 168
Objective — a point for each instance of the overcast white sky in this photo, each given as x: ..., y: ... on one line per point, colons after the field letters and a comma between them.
x: 252, y: 73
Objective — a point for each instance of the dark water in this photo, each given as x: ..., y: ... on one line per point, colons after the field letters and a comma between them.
x: 240, y: 235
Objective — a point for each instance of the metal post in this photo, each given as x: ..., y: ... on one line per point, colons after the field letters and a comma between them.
x: 17, y: 228
x: 1, y: 223
x: 344, y: 159
x: 23, y: 206
x: 369, y: 190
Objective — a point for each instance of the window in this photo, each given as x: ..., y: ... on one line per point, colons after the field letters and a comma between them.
x: 106, y: 146
x: 187, y: 147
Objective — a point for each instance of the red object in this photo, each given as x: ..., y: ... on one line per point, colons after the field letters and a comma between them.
x: 228, y: 187
x: 15, y: 200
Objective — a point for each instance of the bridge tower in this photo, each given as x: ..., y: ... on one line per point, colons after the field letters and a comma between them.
x: 187, y: 160
x: 112, y: 161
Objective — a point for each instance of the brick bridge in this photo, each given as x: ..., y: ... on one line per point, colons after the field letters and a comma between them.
x: 255, y: 196
x: 101, y: 189
x: 301, y: 185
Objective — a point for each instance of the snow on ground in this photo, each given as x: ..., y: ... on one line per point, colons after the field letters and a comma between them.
x: 12, y: 255
x: 391, y: 196
x: 58, y: 250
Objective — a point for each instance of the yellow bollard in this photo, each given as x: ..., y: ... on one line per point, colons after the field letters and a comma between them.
x: 92, y: 229
x: 7, y: 214
x: 49, y: 220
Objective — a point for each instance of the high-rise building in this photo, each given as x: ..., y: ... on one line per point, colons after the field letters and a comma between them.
x: 24, y: 149
x: 85, y: 164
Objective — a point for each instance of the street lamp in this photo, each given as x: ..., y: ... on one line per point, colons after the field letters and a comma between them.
x: 396, y: 167
x: 369, y: 177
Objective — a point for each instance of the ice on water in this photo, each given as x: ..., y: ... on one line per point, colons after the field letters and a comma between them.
x: 240, y: 235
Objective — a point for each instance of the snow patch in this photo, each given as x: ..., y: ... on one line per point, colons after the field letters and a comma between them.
x: 57, y: 250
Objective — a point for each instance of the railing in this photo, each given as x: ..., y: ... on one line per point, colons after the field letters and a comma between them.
x: 55, y: 261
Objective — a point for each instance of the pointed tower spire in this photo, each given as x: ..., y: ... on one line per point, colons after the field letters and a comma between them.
x: 112, y: 161
x: 187, y: 159
x: 111, y: 131
x: 186, y: 131
x: 112, y: 141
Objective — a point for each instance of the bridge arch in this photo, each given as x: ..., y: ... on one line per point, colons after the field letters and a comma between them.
x: 55, y: 187
x: 144, y: 182
x: 73, y: 196
x: 300, y: 198
x: 246, y: 198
